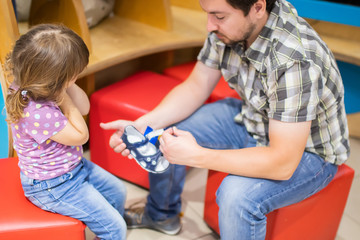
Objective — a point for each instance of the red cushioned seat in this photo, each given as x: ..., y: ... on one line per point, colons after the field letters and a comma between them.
x: 127, y: 99
x: 221, y: 91
x: 20, y: 219
x: 317, y: 217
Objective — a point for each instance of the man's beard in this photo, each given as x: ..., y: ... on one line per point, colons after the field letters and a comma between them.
x: 230, y: 42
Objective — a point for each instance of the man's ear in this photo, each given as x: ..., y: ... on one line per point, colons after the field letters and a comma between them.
x: 259, y: 7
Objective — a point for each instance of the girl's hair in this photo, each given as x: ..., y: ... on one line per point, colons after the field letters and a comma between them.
x: 42, y: 62
x: 245, y: 5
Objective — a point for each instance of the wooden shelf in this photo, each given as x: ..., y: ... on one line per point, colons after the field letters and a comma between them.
x: 343, y: 40
x: 126, y: 36
x: 116, y: 39
x: 344, y: 50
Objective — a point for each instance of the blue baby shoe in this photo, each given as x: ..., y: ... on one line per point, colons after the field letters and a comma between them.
x: 145, y: 148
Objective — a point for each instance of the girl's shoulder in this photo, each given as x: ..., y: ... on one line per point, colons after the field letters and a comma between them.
x: 42, y: 110
x: 41, y: 106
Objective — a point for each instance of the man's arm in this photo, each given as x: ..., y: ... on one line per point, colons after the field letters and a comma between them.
x: 184, y: 99
x: 179, y: 103
x: 277, y: 161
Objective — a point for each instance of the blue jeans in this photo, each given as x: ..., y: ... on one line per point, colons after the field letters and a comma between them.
x: 243, y: 202
x: 88, y: 193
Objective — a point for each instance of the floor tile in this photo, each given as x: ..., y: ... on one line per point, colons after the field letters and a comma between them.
x: 194, y: 189
x: 354, y: 159
x: 193, y: 225
x: 349, y: 228
x: 352, y: 209
x: 211, y: 236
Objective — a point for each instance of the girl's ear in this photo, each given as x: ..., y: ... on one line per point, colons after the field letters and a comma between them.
x: 71, y: 82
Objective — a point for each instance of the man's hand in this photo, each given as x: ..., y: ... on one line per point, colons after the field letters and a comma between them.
x: 180, y: 147
x: 115, y: 141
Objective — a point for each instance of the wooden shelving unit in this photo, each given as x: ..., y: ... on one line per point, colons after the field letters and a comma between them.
x: 141, y: 27
x: 118, y: 39
x: 137, y: 28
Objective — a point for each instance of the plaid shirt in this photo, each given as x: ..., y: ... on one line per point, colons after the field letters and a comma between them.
x: 287, y: 74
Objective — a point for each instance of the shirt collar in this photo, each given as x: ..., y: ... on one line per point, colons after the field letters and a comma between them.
x: 259, y: 48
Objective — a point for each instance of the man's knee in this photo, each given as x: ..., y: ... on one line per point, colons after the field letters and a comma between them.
x: 235, y: 199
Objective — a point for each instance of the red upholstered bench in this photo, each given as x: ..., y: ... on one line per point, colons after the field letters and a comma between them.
x: 127, y: 99
x: 182, y: 71
x: 317, y: 217
x: 20, y: 219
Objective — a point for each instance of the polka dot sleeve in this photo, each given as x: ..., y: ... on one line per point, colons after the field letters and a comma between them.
x: 43, y: 120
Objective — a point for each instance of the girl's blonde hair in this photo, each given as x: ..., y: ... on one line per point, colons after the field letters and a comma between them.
x: 42, y: 62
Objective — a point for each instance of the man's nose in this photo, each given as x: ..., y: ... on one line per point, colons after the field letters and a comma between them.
x: 211, y: 26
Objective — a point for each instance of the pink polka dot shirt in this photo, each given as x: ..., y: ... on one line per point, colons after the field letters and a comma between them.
x: 40, y: 157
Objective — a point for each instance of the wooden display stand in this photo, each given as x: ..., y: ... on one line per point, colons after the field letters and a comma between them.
x: 159, y: 28
x: 68, y: 12
x: 190, y: 4
x: 9, y: 30
x: 137, y: 28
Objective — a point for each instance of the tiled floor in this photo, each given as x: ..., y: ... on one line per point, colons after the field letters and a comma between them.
x: 193, y: 203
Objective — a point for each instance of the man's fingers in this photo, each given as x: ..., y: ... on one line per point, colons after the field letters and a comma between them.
x: 111, y: 125
x: 165, y: 136
x: 178, y: 132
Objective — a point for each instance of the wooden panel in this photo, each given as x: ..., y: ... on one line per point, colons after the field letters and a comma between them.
x: 116, y: 40
x: 353, y: 123
x: 155, y: 13
x: 345, y: 32
x: 9, y: 31
x: 337, y: 24
x: 343, y: 40
x: 5, y: 138
x: 69, y: 12
x: 8, y: 35
x: 87, y: 83
x: 190, y: 4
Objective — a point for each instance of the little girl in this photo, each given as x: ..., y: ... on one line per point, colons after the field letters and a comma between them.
x: 45, y: 108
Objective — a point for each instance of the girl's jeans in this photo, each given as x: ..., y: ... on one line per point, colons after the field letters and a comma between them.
x: 88, y: 193
x: 243, y: 202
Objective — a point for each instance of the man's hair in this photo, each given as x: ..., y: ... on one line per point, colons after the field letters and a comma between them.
x: 42, y: 62
x: 245, y: 5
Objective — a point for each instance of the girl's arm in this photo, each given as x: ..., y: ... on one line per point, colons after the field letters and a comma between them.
x: 75, y: 133
x: 79, y: 98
